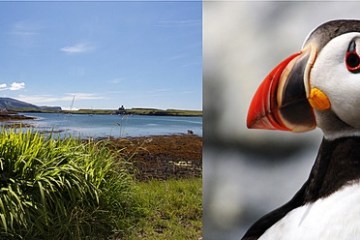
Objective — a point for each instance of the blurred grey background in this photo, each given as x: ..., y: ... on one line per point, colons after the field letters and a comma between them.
x: 248, y: 173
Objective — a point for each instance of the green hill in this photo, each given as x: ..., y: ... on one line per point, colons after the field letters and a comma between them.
x: 13, y: 105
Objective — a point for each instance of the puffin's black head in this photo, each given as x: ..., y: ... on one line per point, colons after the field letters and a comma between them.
x: 318, y: 86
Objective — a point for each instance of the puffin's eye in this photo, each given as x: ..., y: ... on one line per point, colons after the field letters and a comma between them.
x: 352, y: 59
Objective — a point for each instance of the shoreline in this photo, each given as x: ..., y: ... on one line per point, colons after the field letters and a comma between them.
x: 159, y: 157
x: 104, y: 126
x: 133, y: 111
x: 176, y: 156
x: 14, y: 117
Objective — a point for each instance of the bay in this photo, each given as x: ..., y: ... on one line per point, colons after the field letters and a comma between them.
x: 84, y: 125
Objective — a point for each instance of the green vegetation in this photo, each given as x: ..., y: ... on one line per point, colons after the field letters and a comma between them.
x: 173, y: 210
x: 71, y: 189
x: 91, y: 111
x: 62, y: 189
x: 160, y: 112
x: 141, y: 111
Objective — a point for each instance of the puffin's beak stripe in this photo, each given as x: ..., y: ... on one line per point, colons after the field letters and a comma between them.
x: 282, y: 100
x: 263, y: 111
x: 318, y: 99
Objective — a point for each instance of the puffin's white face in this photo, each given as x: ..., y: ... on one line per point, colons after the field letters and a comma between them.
x: 336, y: 72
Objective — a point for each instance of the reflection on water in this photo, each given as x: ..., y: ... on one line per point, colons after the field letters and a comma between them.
x: 83, y: 125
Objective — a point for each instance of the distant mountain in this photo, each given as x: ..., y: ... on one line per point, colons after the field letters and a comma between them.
x: 10, y: 104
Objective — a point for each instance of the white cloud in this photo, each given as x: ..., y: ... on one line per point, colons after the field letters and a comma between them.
x: 69, y: 108
x: 25, y: 34
x: 77, y: 48
x: 15, y: 86
x: 25, y: 29
x: 36, y: 99
x: 3, y: 86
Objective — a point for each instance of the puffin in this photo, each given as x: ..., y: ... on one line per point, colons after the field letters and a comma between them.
x: 317, y: 87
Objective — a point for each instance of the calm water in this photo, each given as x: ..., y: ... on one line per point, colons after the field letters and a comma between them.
x: 83, y: 125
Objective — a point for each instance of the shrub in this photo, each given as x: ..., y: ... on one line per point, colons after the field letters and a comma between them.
x: 61, y: 189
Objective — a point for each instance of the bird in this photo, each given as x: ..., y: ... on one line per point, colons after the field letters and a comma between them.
x: 317, y: 87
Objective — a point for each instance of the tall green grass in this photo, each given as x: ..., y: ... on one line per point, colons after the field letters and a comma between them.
x: 173, y: 210
x: 62, y: 189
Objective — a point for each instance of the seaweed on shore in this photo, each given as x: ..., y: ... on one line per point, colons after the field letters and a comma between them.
x: 162, y: 157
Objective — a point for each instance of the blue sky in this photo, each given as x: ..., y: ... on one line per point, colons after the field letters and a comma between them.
x: 106, y: 54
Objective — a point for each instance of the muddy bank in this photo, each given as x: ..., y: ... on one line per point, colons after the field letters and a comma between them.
x: 162, y: 157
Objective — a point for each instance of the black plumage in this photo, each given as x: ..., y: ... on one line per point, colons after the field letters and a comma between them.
x: 337, y: 165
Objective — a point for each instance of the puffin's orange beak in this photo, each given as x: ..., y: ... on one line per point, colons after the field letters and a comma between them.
x: 281, y: 101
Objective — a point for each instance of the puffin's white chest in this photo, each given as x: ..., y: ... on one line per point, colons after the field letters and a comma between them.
x: 334, y: 217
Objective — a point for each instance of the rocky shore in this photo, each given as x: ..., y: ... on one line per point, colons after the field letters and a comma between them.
x: 162, y: 157
x: 13, y: 117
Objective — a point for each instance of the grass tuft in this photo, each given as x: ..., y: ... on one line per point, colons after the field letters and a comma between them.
x: 62, y: 189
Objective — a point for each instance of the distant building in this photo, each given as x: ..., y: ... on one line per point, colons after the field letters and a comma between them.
x: 121, y: 110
